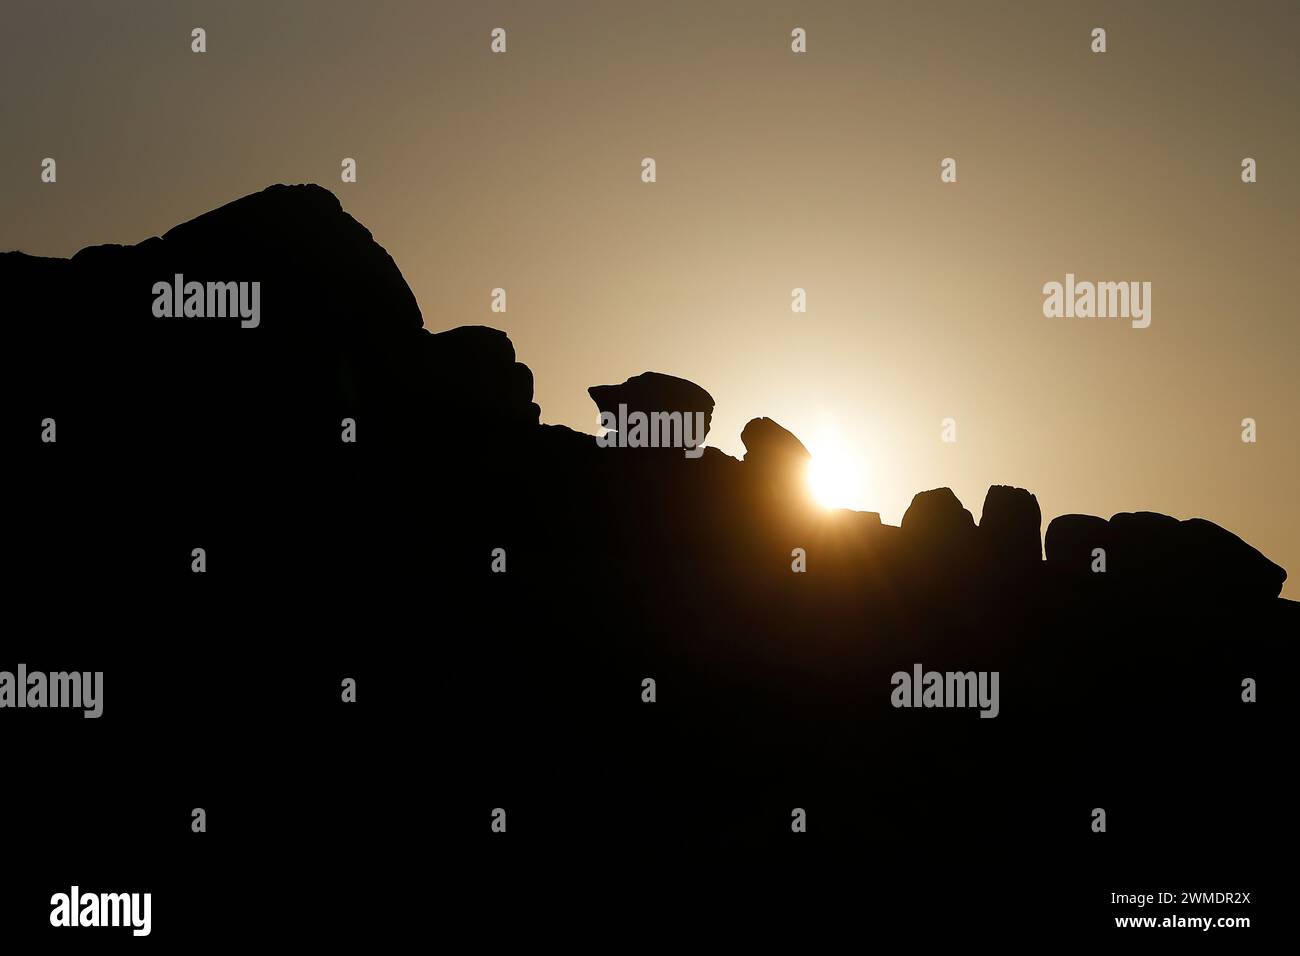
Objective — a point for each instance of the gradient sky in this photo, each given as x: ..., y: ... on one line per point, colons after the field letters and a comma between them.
x: 775, y: 171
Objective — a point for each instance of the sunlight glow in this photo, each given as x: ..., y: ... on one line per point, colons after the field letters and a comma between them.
x: 837, y: 477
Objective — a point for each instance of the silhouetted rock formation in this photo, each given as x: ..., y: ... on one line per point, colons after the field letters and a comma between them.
x: 774, y: 682
x: 339, y: 335
x: 1162, y: 554
x: 935, y: 524
x: 650, y: 393
x: 476, y: 373
x: 775, y: 460
x: 769, y: 446
x: 1071, y: 539
x: 1143, y: 543
x: 1215, y: 560
x: 1010, y: 525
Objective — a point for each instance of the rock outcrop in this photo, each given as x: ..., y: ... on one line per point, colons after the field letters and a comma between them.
x: 1218, y: 560
x: 1163, y: 555
x: 338, y: 334
x: 654, y: 395
x: 935, y: 522
x: 775, y: 462
x: 1071, y: 539
x: 340, y: 337
x: 1010, y: 525
x: 770, y: 447
x: 473, y: 367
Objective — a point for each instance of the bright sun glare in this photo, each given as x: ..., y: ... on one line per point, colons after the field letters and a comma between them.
x: 836, y: 476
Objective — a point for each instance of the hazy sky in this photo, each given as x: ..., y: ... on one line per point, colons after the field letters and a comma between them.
x: 775, y: 171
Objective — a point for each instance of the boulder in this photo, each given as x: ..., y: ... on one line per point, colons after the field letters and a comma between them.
x: 654, y: 395
x: 1010, y: 525
x: 338, y: 334
x: 775, y: 466
x: 1143, y: 544
x: 472, y: 374
x: 771, y: 447
x: 1070, y: 540
x: 935, y: 521
x: 1221, y: 562
x: 1159, y: 553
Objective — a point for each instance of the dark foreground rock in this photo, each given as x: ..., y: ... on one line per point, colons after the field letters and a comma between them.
x: 1010, y: 525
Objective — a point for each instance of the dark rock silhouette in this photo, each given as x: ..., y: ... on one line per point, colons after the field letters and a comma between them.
x: 1010, y: 525
x: 1156, y: 552
x: 1071, y: 539
x: 1214, y: 559
x: 774, y: 682
x: 340, y: 335
x: 476, y: 373
x: 769, y: 446
x: 775, y: 461
x: 1143, y: 544
x: 654, y: 392
x: 935, y: 524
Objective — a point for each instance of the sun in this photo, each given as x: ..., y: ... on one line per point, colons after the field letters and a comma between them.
x: 836, y: 476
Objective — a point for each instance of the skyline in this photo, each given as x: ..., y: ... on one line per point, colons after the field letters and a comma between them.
x: 775, y: 171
